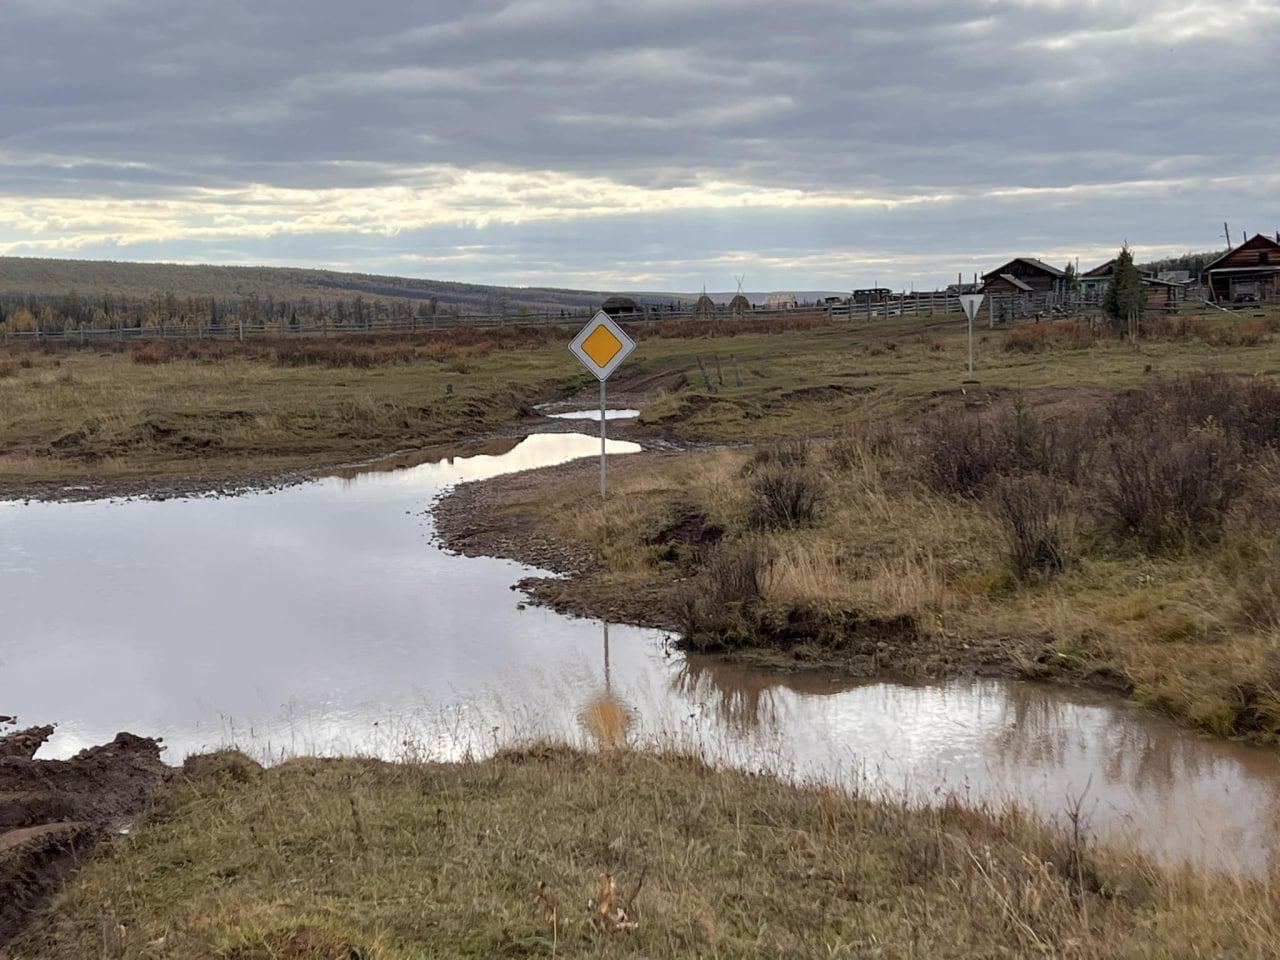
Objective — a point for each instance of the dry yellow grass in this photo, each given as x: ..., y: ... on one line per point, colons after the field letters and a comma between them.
x: 552, y: 852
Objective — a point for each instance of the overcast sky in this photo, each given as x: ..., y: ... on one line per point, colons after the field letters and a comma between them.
x: 636, y: 144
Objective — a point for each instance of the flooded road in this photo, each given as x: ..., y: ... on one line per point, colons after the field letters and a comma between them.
x: 323, y: 618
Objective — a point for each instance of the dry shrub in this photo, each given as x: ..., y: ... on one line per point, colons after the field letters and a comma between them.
x: 725, y: 326
x: 1038, y: 515
x: 785, y: 496
x: 784, y: 453
x: 880, y: 438
x: 963, y: 453
x: 1038, y: 337
x: 1232, y: 332
x: 8, y: 369
x: 1167, y: 486
x: 150, y: 354
x: 1245, y: 407
x: 718, y: 607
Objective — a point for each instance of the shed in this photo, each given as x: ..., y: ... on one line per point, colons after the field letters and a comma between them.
x: 1249, y: 272
x: 1162, y: 294
x: 781, y: 301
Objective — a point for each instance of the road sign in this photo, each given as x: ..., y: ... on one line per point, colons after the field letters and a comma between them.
x: 969, y: 303
x: 602, y: 345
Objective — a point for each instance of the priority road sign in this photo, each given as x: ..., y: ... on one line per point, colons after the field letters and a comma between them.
x: 602, y: 345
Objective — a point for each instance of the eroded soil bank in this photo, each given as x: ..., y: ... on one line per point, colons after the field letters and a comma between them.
x: 52, y: 812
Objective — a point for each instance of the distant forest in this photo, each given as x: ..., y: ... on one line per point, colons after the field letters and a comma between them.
x: 1194, y: 262
x: 57, y: 295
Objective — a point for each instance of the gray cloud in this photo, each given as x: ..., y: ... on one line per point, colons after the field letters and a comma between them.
x: 1128, y: 110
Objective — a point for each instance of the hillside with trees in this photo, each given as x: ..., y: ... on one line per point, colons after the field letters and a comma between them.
x: 57, y: 295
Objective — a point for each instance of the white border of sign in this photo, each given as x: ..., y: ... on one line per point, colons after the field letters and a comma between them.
x: 628, y: 345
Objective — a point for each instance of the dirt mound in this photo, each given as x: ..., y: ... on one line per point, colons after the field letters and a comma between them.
x: 53, y: 811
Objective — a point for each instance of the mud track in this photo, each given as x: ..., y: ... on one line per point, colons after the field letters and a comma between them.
x: 52, y: 812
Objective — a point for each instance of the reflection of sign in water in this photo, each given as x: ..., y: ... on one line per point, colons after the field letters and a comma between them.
x: 606, y: 718
x: 602, y: 345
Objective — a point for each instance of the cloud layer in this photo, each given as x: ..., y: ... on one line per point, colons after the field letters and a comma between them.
x: 663, y: 144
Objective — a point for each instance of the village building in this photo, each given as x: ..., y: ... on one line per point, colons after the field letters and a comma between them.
x: 1093, y: 283
x: 1249, y: 273
x: 781, y: 301
x: 1024, y: 275
x: 1162, y: 295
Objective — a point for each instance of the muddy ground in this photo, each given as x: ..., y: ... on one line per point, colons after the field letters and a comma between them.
x: 52, y: 812
x: 476, y: 519
x: 471, y: 520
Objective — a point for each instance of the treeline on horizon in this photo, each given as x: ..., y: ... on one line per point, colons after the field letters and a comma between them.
x: 54, y: 296
x: 57, y: 313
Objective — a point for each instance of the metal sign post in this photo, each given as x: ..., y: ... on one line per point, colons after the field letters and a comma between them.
x: 601, y: 346
x: 969, y: 303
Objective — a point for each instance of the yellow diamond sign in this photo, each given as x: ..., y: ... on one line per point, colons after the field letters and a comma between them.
x: 602, y: 345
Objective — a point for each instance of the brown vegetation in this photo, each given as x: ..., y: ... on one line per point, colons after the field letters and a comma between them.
x: 547, y: 851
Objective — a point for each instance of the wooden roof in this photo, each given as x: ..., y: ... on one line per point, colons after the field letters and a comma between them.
x: 1102, y: 269
x: 1259, y: 241
x: 1037, y: 264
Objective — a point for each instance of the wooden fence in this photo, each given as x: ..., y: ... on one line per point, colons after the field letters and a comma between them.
x: 997, y: 309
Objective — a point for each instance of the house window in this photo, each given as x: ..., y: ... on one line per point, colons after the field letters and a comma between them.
x: 1264, y: 256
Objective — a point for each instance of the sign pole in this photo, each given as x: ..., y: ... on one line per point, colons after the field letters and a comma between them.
x: 969, y: 303
x: 601, y: 346
x: 971, y: 346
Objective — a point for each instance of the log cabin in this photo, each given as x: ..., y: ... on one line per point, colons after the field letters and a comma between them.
x: 1249, y: 272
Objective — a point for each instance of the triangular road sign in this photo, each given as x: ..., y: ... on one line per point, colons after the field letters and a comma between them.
x: 969, y: 303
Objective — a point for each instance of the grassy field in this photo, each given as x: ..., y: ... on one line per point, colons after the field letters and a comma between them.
x: 935, y: 532
x: 552, y: 852
x: 222, y: 412
x: 227, y: 413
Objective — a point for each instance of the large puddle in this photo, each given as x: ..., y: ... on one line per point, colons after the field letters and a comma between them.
x: 323, y: 618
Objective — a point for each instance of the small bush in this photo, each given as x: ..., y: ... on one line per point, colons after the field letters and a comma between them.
x: 958, y: 453
x: 964, y: 453
x: 1168, y: 487
x: 1247, y: 408
x: 719, y: 605
x: 1038, y: 337
x: 1038, y: 515
x: 784, y: 453
x: 784, y: 497
x: 7, y: 370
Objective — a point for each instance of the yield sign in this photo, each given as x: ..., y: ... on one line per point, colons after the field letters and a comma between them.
x: 602, y: 345
x: 969, y: 303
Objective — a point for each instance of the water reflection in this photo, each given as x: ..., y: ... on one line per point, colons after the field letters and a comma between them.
x: 595, y: 415
x: 324, y: 619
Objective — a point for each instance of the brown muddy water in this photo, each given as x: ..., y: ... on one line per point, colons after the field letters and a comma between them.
x: 324, y: 619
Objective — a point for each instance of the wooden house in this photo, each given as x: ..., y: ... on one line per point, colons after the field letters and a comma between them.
x: 1093, y: 283
x: 1250, y: 272
x: 1024, y: 275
